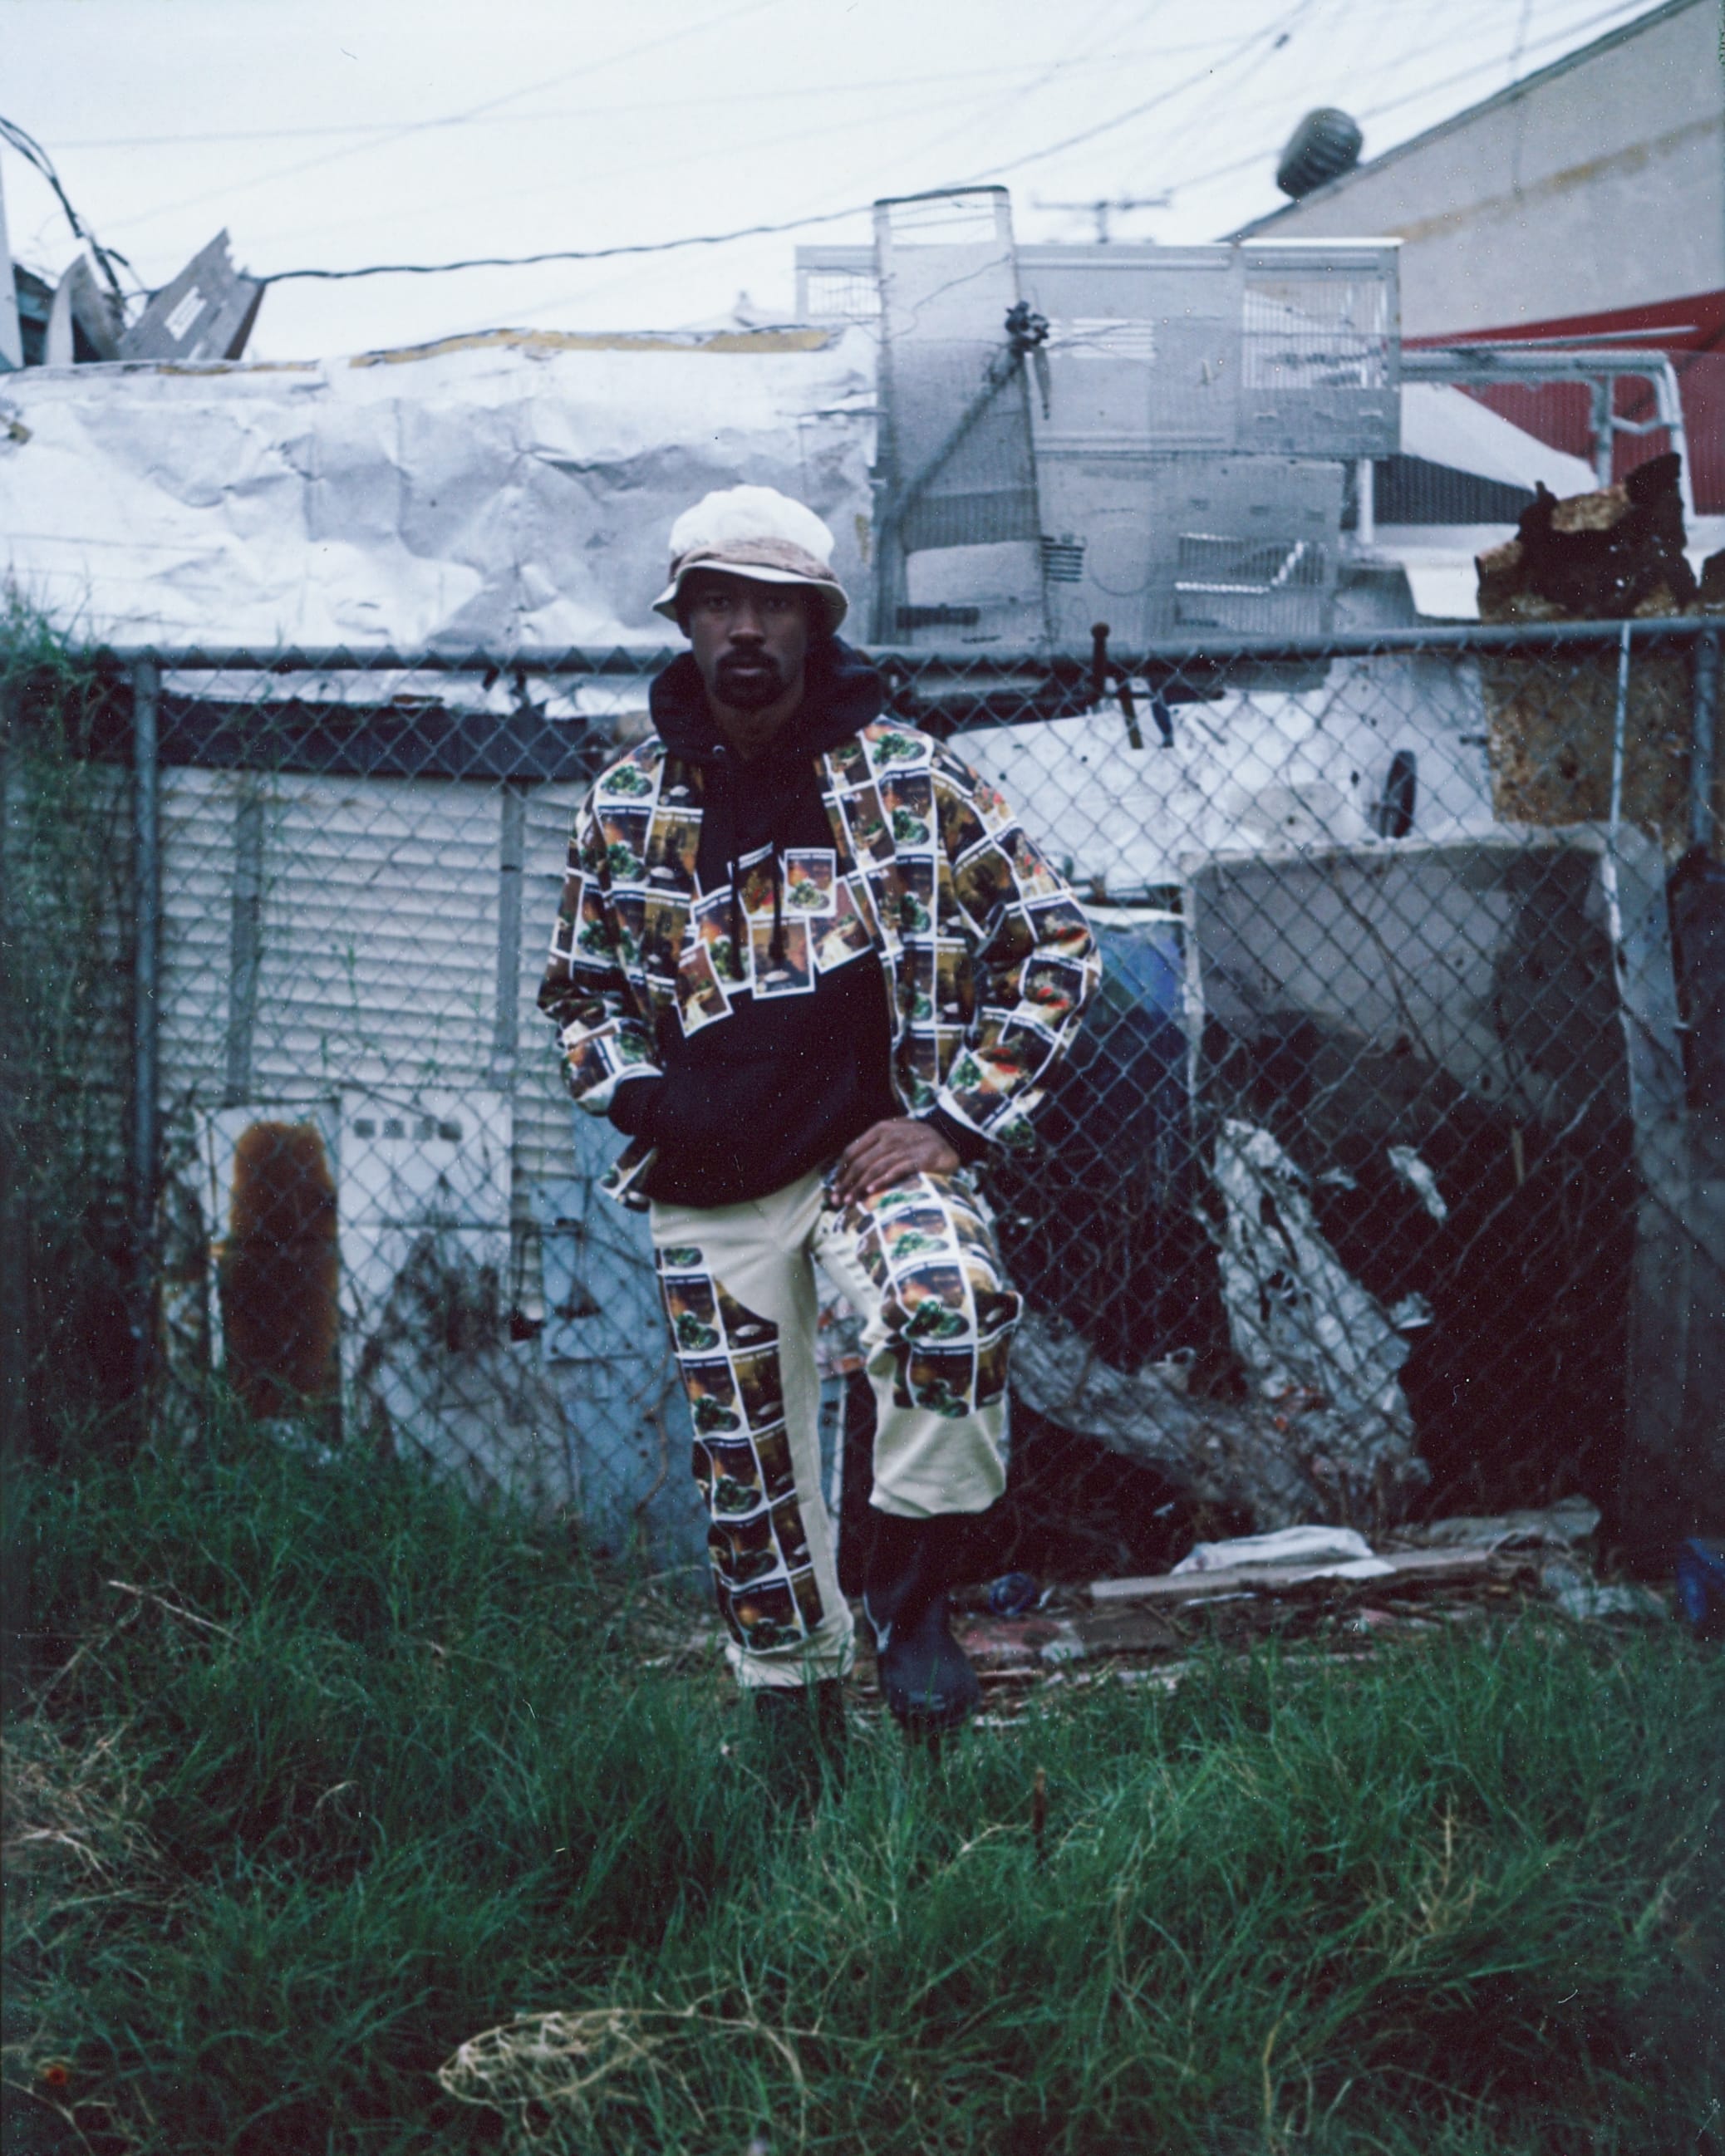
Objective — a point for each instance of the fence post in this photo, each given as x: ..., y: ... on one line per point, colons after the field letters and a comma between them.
x: 14, y: 1242
x: 1704, y: 766
x: 146, y: 1017
x: 511, y: 861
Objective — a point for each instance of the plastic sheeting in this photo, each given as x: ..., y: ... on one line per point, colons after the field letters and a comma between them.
x: 515, y: 489
x: 1448, y: 426
x: 1304, y: 1331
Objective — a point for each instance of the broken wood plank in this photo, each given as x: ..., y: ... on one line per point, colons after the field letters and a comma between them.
x: 1272, y: 1579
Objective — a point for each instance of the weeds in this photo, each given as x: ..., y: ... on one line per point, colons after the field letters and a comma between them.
x: 65, y: 930
x: 321, y: 1781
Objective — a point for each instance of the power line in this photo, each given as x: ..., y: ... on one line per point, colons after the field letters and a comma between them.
x: 1275, y: 34
x: 564, y: 254
x: 421, y: 127
x: 32, y: 153
x: 868, y: 86
x: 1046, y: 75
x: 826, y: 131
x: 759, y: 231
x: 1425, y: 90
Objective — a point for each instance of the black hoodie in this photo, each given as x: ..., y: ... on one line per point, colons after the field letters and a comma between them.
x: 751, y: 1102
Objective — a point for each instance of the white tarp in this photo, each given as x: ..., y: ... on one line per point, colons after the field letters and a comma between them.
x: 509, y: 489
x: 1447, y: 427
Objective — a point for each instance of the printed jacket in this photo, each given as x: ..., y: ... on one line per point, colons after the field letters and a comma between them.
x: 988, y: 959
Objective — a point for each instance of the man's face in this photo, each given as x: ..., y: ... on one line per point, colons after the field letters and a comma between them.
x: 750, y: 638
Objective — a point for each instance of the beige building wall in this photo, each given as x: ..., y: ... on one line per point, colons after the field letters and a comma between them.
x: 1595, y: 185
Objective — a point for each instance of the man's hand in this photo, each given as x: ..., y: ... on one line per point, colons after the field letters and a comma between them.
x: 891, y: 1152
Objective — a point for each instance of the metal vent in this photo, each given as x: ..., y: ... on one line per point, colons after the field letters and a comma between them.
x: 1254, y: 584
x: 1256, y: 566
x: 1063, y: 559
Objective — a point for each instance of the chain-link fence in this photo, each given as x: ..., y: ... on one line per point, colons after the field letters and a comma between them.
x: 1388, y: 1172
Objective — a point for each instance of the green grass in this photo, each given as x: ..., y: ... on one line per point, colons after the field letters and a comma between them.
x: 374, y: 1772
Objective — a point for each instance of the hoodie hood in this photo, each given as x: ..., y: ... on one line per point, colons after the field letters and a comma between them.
x: 842, y: 693
x: 747, y: 808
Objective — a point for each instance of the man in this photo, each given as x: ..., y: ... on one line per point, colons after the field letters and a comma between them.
x: 812, y: 967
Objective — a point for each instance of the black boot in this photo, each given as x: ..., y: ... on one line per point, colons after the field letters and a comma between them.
x: 801, y: 1727
x: 927, y: 1683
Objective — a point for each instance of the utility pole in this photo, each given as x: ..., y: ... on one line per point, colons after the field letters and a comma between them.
x: 1102, y: 209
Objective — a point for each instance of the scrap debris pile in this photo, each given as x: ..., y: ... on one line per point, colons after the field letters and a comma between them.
x: 1327, y: 1590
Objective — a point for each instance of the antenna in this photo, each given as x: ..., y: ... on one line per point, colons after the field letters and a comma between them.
x: 1101, y: 210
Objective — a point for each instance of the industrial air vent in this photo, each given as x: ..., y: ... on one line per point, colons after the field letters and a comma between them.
x: 1251, y: 584
x: 1063, y: 558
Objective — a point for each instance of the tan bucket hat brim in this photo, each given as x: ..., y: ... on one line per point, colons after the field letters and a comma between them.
x: 763, y: 562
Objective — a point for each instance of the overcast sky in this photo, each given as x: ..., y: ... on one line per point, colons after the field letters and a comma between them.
x: 330, y: 133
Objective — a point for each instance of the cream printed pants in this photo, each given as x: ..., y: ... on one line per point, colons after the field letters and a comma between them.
x: 919, y: 1263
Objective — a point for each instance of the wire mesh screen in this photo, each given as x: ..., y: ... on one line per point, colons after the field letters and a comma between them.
x: 1385, y: 1173
x: 1319, y: 359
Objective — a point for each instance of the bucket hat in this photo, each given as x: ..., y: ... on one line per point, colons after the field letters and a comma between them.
x: 757, y: 532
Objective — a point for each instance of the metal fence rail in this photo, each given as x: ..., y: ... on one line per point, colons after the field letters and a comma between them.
x: 1388, y: 1171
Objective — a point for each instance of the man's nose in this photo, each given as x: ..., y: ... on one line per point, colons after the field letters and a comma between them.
x: 746, y: 626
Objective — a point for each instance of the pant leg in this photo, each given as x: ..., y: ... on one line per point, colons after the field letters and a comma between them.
x: 738, y: 1286
x: 920, y: 1263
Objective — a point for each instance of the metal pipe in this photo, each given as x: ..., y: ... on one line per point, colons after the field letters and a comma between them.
x: 1703, y: 747
x: 1620, y: 727
x: 1365, y: 480
x: 1542, y: 360
x: 146, y: 1016
x: 1614, y: 832
x: 1604, y: 394
x: 614, y: 660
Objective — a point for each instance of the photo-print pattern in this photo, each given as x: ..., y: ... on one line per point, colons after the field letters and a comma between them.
x: 727, y: 1356
x: 988, y: 959
x: 930, y: 1256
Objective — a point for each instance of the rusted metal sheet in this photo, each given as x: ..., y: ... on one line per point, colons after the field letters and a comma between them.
x: 1609, y: 555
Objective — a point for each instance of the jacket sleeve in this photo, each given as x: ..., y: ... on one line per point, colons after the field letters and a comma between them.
x: 1034, y: 960
x: 586, y: 993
